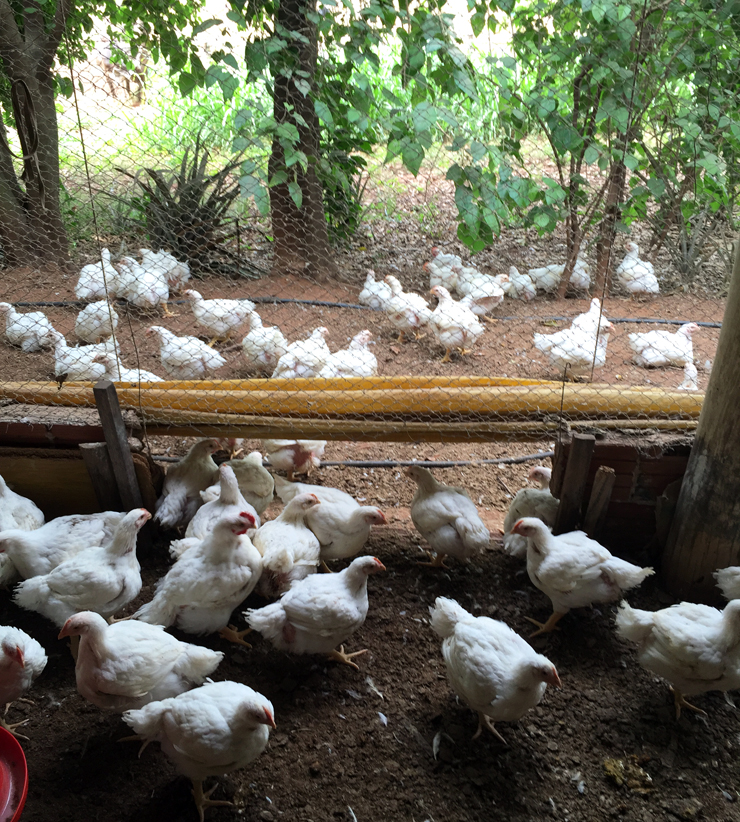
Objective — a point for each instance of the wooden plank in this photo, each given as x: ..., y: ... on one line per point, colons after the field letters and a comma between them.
x: 56, y: 481
x: 116, y: 439
x: 574, y: 483
x: 598, y: 503
x: 98, y: 463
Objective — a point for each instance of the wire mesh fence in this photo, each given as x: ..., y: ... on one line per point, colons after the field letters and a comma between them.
x: 260, y: 251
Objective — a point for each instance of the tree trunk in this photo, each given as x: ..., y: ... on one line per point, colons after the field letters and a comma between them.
x: 31, y: 227
x: 301, y: 237
x: 608, y: 229
x: 705, y: 534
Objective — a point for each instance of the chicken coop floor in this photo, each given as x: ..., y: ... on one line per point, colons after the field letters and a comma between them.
x: 390, y: 742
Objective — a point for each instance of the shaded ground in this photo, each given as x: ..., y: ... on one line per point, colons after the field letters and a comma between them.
x: 343, y: 752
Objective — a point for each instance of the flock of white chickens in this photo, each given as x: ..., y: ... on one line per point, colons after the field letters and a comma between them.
x: 81, y: 571
x: 455, y: 324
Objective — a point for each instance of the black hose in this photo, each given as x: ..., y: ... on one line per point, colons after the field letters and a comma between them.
x: 327, y: 304
x: 541, y: 455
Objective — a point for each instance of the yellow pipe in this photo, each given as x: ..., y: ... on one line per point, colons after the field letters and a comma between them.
x: 499, y: 401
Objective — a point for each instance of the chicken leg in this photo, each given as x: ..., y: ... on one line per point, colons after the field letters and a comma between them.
x: 486, y: 722
x: 446, y: 357
x: 546, y: 627
x: 203, y: 800
x: 11, y: 728
x: 231, y: 634
x: 166, y: 310
x: 325, y: 568
x: 680, y: 702
x: 341, y: 656
x: 437, y: 562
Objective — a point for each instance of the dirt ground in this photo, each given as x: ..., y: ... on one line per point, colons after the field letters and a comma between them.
x: 360, y: 745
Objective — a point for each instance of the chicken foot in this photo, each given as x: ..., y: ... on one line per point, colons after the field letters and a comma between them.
x: 446, y: 357
x: 166, y: 311
x: 325, y: 568
x: 203, y: 800
x: 11, y: 728
x: 546, y: 627
x: 488, y: 319
x: 437, y: 562
x: 341, y: 656
x: 485, y: 721
x: 231, y: 634
x: 136, y: 738
x: 680, y: 702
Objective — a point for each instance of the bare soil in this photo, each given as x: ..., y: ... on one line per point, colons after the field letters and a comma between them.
x: 343, y: 751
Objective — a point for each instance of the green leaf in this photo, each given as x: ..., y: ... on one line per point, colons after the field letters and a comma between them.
x: 295, y: 193
x: 424, y: 117
x: 465, y: 84
x: 302, y: 85
x: 206, y: 24
x: 477, y: 151
x: 591, y: 155
x: 186, y: 83
x: 324, y: 113
x: 412, y: 156
x: 466, y: 206
x: 230, y: 60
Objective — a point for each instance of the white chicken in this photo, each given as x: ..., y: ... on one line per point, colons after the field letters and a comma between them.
x: 255, y: 482
x: 654, y: 348
x: 530, y: 502
x: 22, y: 659
x: 208, y: 581
x: 184, y: 481
x: 573, y: 570
x: 75, y: 363
x: 695, y: 647
x: 374, y: 294
x: 319, y: 612
x: 520, y: 285
x: 97, y: 280
x: 212, y: 730
x: 489, y: 666
x: 230, y: 500
x: 289, y: 548
x: 38, y: 551
x: 17, y: 511
x: 221, y: 318
x: 357, y: 360
x: 341, y: 524
x: 407, y: 311
x: 578, y: 351
x: 690, y: 380
x: 96, y: 322
x: 548, y: 277
x: 446, y: 517
x: 176, y: 273
x: 294, y: 456
x: 442, y: 269
x: 482, y: 290
x: 31, y: 332
x: 263, y: 345
x: 117, y: 372
x: 141, y: 287
x: 728, y: 581
x: 185, y: 358
x: 129, y: 664
x: 635, y: 275
x: 453, y: 325
x: 304, y: 358
x: 102, y: 579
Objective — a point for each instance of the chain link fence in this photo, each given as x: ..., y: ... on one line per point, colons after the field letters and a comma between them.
x: 222, y: 301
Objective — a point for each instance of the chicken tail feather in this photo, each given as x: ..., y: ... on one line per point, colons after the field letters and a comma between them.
x: 445, y: 614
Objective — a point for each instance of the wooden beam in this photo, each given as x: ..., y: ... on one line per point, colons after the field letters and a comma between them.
x: 116, y: 439
x: 98, y: 463
x: 598, y: 503
x: 574, y: 483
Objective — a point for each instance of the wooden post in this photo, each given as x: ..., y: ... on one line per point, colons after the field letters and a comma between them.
x: 598, y: 503
x: 114, y: 429
x: 99, y: 466
x: 705, y: 533
x: 574, y: 483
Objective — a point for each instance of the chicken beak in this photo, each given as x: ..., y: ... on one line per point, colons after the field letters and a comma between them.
x: 17, y: 655
x: 383, y: 520
x: 381, y: 567
x: 270, y: 719
x: 65, y: 630
x: 554, y: 679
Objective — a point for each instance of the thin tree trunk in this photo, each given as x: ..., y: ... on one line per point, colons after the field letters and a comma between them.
x: 301, y: 236
x: 608, y: 228
x: 705, y: 534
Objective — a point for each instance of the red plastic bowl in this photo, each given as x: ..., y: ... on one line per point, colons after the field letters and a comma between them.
x: 13, y: 777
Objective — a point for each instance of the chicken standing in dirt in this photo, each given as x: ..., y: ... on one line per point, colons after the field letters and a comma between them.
x: 489, y: 666
x: 130, y: 663
x: 102, y: 579
x: 184, y: 481
x: 289, y: 548
x: 294, y: 456
x: 319, y: 612
x: 341, y: 524
x: 22, y: 659
x: 208, y: 581
x: 447, y: 518
x: 696, y: 648
x: 212, y: 730
x: 530, y: 502
x: 255, y: 481
x: 573, y: 570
